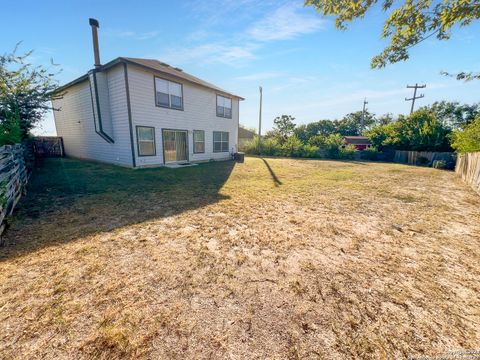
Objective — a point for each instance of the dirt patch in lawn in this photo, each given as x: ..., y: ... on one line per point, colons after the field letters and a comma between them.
x: 274, y: 258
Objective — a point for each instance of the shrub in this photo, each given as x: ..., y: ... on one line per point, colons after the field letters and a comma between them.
x: 310, y: 151
x: 317, y: 140
x: 347, y: 152
x: 467, y: 140
x: 333, y: 145
x: 252, y: 147
x: 292, y: 147
x: 370, y: 153
x: 385, y: 136
x: 10, y: 130
x: 421, y: 131
x: 271, y: 147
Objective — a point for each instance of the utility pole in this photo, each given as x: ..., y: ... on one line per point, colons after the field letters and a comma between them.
x: 260, y: 115
x: 415, y: 97
x: 362, y: 124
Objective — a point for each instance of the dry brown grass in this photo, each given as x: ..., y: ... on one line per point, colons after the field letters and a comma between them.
x: 308, y: 260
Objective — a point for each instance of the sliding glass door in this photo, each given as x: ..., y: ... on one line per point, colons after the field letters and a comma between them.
x: 175, y: 146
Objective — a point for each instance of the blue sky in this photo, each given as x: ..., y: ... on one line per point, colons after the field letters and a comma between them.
x: 307, y: 68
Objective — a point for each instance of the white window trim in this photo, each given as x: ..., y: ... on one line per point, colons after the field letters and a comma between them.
x: 169, y: 94
x: 149, y: 141
x: 194, y: 142
x: 221, y: 142
x: 231, y: 107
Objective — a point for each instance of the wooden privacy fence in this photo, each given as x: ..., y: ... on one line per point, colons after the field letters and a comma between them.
x: 468, y: 168
x: 48, y: 146
x: 423, y: 157
x: 13, y: 179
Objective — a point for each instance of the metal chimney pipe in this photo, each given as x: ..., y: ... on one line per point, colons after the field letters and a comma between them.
x: 96, y: 52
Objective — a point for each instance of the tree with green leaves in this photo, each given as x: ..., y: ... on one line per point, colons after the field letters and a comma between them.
x: 409, y: 22
x: 321, y: 127
x: 10, y: 129
x: 284, y: 127
x: 351, y: 124
x: 25, y: 91
x: 385, y: 119
x: 385, y: 136
x: 467, y: 139
x: 420, y: 131
x: 453, y: 114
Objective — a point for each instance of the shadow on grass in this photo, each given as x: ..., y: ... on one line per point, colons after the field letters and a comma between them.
x: 69, y: 199
x: 275, y: 179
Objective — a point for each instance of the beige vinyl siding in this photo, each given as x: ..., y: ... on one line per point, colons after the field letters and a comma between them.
x: 75, y: 123
x: 199, y: 113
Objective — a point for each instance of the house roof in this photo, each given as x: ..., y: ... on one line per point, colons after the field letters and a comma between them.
x: 155, y: 66
x: 357, y: 140
x: 245, y: 133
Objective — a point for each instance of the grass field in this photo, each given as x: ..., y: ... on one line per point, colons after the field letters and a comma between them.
x: 273, y: 258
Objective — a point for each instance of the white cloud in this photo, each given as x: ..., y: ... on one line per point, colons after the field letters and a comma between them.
x: 287, y: 22
x: 210, y: 53
x: 282, y: 20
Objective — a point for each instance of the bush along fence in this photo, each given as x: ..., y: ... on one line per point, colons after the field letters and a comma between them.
x: 13, y: 180
x: 468, y: 168
x: 444, y: 160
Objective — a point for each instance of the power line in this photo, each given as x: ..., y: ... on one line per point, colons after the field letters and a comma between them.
x: 415, y: 97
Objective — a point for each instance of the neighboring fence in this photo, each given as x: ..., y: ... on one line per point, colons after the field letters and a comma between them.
x: 468, y: 168
x: 424, y: 157
x: 48, y: 146
x: 13, y: 180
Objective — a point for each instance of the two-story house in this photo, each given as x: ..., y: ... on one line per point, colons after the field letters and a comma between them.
x: 142, y: 112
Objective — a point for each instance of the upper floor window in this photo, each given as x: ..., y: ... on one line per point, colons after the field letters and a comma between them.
x: 168, y: 94
x: 224, y: 107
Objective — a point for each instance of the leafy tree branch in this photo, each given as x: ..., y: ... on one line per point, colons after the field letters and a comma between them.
x: 408, y: 24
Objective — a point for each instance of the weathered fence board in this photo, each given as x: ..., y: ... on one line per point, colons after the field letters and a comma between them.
x: 423, y: 157
x: 48, y: 146
x: 13, y: 180
x: 468, y: 168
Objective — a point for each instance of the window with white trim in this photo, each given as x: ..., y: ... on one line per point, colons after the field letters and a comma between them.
x: 224, y: 107
x: 220, y: 141
x: 146, y: 141
x: 198, y: 141
x: 168, y: 94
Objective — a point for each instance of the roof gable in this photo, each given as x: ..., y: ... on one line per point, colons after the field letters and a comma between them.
x: 357, y: 140
x: 154, y: 66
